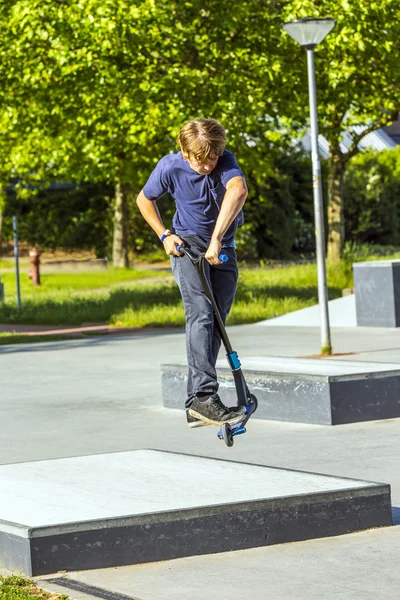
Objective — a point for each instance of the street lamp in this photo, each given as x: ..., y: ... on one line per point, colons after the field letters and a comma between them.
x: 308, y: 33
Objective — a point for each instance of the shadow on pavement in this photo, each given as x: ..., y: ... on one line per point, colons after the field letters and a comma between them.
x: 95, y: 340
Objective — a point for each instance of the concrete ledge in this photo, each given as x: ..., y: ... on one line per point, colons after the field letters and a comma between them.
x: 377, y: 291
x: 319, y: 391
x: 142, y: 506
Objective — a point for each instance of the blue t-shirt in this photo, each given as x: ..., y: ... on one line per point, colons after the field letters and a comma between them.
x: 198, y: 197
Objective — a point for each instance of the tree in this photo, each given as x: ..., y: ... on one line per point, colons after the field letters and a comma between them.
x: 358, y: 77
x: 111, y: 82
x: 372, y: 197
x: 98, y: 89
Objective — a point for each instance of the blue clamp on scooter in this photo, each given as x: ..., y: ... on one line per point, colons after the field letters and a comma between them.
x: 245, y: 398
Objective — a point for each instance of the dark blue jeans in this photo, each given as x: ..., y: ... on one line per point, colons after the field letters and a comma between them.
x: 202, y: 339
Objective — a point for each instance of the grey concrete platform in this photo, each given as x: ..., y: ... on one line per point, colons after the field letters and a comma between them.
x: 377, y: 291
x: 301, y: 390
x: 142, y: 506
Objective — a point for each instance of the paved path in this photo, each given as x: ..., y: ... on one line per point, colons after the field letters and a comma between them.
x: 103, y: 394
x: 82, y: 330
x: 342, y: 313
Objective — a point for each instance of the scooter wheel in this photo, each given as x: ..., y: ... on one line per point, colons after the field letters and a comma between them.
x: 227, y: 435
x: 254, y: 401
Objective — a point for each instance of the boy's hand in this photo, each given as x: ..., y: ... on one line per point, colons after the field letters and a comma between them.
x: 214, y: 250
x: 170, y: 244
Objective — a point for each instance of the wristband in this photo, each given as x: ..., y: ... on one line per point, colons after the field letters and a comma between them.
x: 165, y: 234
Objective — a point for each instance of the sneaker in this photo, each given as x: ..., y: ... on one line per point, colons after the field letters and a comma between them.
x: 193, y: 422
x: 213, y: 412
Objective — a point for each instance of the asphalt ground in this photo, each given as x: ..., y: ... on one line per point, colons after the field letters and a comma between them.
x: 103, y: 394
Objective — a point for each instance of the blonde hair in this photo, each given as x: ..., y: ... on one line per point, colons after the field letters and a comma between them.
x: 202, y: 139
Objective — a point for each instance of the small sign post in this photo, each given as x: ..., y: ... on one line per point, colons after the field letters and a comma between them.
x: 16, y: 254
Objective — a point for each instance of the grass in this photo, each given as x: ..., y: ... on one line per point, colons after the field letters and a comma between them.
x: 116, y: 297
x: 5, y: 264
x: 68, y: 282
x: 72, y: 300
x: 18, y: 588
x: 9, y: 263
x: 19, y: 338
x: 60, y: 307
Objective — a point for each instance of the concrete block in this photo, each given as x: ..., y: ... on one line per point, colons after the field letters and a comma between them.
x: 141, y: 506
x: 319, y: 391
x: 377, y: 291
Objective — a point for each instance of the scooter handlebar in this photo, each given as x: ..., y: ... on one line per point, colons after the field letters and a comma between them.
x: 222, y: 257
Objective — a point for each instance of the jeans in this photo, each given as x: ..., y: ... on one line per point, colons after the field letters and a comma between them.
x: 202, y: 339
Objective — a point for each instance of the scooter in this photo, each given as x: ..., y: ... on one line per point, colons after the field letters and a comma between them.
x: 244, y: 396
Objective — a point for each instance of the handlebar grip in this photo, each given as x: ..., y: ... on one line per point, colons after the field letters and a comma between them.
x: 222, y: 257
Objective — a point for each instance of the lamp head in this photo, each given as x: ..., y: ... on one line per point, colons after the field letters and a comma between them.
x: 309, y: 32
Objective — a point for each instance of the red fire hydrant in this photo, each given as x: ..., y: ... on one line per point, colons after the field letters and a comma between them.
x: 34, y: 273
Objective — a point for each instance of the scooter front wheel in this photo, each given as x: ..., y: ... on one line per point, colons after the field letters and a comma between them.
x: 227, y: 435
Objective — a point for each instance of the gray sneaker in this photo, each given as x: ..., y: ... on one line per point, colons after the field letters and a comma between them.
x: 193, y: 422
x: 213, y: 412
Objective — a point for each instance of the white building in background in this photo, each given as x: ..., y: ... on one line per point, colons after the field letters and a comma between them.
x: 381, y: 139
x: 393, y: 131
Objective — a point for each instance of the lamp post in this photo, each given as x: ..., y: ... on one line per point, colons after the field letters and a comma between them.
x: 309, y: 33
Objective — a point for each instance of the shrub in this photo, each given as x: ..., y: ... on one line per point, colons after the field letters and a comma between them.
x: 372, y: 198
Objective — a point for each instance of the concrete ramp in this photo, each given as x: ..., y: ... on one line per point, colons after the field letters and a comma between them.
x: 141, y: 506
x: 303, y: 390
x: 342, y: 313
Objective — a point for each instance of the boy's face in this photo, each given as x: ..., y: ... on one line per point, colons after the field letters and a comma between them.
x: 203, y: 168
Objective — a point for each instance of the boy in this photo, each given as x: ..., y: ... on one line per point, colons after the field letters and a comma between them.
x: 209, y: 190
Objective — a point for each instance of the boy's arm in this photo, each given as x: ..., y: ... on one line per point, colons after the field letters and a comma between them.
x: 232, y: 204
x: 151, y: 215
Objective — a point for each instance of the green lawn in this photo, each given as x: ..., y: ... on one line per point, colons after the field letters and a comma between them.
x: 18, y: 588
x: 118, y: 298
x: 68, y: 282
x: 5, y: 264
x: 18, y: 338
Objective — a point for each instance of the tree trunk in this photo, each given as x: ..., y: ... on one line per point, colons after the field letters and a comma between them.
x: 335, y: 207
x: 120, y: 239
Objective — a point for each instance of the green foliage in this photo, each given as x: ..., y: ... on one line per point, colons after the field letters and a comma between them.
x: 354, y: 252
x: 67, y: 217
x: 358, y: 77
x: 96, y: 91
x: 262, y: 293
x: 270, y: 211
x: 278, y: 215
x: 69, y: 283
x: 357, y: 65
x: 18, y: 588
x: 279, y: 211
x: 372, y: 198
x: 326, y: 350
x: 111, y: 82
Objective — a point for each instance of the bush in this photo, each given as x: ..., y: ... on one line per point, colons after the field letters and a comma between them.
x: 372, y: 198
x: 279, y: 210
x: 64, y: 216
x: 278, y: 213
